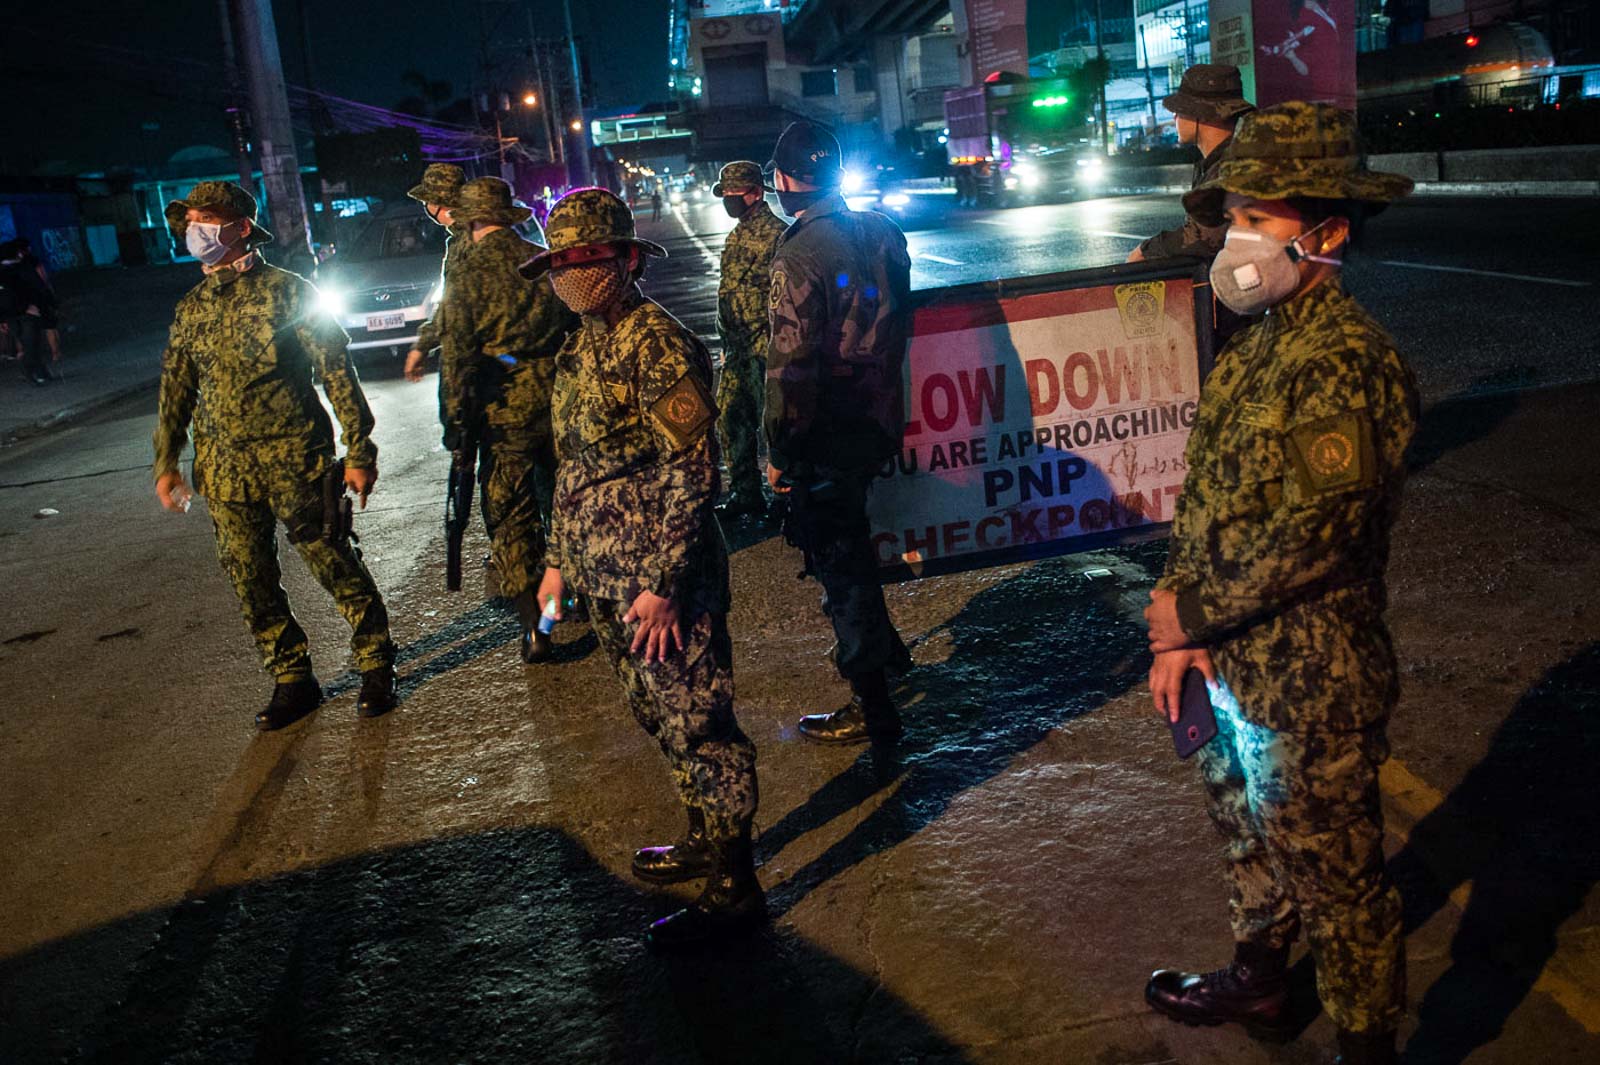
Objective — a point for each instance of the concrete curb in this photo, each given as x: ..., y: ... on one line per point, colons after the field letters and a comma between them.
x: 75, y: 412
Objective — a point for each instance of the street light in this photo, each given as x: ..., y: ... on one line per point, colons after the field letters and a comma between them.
x: 530, y: 99
x: 577, y: 125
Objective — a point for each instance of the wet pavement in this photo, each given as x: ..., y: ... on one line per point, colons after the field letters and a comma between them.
x: 450, y: 883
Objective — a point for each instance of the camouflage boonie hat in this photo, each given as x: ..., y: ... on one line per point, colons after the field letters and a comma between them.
x: 1296, y: 149
x: 225, y: 198
x: 739, y: 177
x: 1209, y: 92
x: 584, y: 217
x: 441, y: 184
x: 489, y: 200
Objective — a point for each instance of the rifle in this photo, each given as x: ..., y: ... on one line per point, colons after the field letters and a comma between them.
x: 338, y: 511
x: 458, y: 505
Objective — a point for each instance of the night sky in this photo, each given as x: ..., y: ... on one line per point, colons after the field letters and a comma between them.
x: 83, y: 78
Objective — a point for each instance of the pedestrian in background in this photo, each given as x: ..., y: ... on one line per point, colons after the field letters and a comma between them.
x: 635, y: 532
x: 498, y: 340
x: 742, y: 290
x: 840, y: 317
x: 1274, y: 588
x: 655, y: 204
x: 49, y: 317
x: 239, y: 363
x: 26, y: 304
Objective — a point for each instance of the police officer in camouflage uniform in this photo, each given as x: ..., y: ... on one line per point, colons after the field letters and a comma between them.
x: 1207, y: 107
x: 742, y: 322
x: 634, y: 531
x: 438, y: 192
x: 1274, y: 587
x: 840, y: 319
x: 498, y: 341
x: 239, y: 363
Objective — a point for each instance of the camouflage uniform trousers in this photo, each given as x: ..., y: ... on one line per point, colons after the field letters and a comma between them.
x: 741, y: 392
x: 837, y: 541
x: 1304, y: 830
x: 248, y: 548
x: 686, y: 705
x: 516, y: 471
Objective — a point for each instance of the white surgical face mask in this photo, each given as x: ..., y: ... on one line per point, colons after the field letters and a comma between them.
x: 1253, y: 271
x: 210, y: 242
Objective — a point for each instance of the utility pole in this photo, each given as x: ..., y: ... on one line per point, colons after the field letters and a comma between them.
x: 547, y: 101
x: 269, y: 103
x: 584, y: 175
x: 235, y: 106
x: 1149, y: 87
x: 1105, y: 74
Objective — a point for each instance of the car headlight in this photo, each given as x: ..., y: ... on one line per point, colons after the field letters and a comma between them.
x: 896, y: 199
x: 1027, y: 175
x: 332, y: 301
x: 854, y: 181
x: 1012, y: 183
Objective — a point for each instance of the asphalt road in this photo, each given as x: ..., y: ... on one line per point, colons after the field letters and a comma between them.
x: 450, y: 883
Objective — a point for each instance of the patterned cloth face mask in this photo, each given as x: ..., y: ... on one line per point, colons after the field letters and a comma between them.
x: 590, y: 289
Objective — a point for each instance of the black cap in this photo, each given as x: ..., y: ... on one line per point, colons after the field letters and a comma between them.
x: 809, y: 153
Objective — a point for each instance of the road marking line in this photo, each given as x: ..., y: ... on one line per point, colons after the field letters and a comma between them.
x: 993, y: 222
x: 1109, y: 233
x: 705, y: 250
x: 1486, y: 273
x: 939, y: 259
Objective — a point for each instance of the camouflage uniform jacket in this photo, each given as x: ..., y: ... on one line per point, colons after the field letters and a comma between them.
x: 841, y: 314
x: 1200, y: 239
x: 747, y: 279
x: 459, y: 238
x: 1280, y: 538
x: 491, y: 311
x: 239, y: 362
x: 639, y: 463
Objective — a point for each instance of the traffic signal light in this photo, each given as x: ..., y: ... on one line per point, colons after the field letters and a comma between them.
x: 1052, y: 101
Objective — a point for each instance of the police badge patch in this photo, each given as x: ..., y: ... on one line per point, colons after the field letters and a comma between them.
x: 1333, y: 453
x: 684, y: 411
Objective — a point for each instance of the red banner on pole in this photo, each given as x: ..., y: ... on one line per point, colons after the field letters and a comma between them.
x: 1289, y: 49
x: 997, y: 36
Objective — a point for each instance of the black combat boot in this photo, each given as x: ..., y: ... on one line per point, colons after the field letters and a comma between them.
x: 377, y: 692
x: 871, y: 715
x: 1366, y: 1048
x: 1252, y: 991
x: 688, y: 859
x: 291, y: 700
x: 731, y: 904
x: 536, y: 646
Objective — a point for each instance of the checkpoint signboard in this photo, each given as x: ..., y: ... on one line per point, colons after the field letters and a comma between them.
x: 1044, y: 416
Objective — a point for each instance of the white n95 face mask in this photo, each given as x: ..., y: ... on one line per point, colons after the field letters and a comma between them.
x: 1253, y: 271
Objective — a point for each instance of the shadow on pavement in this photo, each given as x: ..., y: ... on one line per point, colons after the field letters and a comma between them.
x: 479, y: 631
x: 1523, y: 828
x: 510, y: 946
x: 1000, y: 692
x: 1468, y: 417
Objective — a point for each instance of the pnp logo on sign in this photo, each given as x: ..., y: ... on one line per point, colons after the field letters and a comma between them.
x: 1142, y: 306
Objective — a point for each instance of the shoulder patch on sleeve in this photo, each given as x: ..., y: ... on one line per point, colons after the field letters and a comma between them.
x: 1333, y: 454
x: 684, y: 411
x: 780, y: 281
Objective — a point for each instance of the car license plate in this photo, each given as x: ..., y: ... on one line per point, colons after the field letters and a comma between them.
x: 385, y: 321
